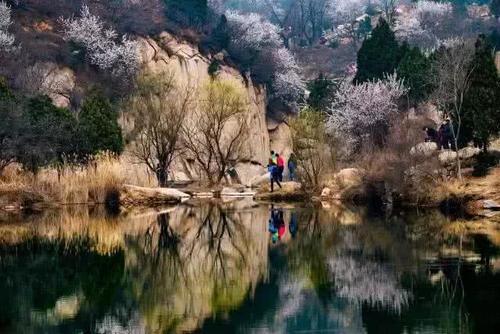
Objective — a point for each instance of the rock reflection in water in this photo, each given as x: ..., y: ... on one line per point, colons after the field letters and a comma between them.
x: 213, y: 267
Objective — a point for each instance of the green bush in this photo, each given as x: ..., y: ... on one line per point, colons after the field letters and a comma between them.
x: 98, y: 126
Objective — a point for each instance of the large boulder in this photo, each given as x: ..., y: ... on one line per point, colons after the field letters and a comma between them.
x: 259, y: 180
x: 448, y: 157
x: 289, y: 191
x: 142, y: 196
x: 426, y: 149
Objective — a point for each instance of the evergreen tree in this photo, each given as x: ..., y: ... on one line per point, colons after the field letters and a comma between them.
x: 220, y: 36
x: 482, y: 102
x: 10, y: 116
x: 98, y: 126
x: 365, y: 27
x: 415, y: 69
x: 320, y: 90
x: 47, y: 134
x: 190, y: 12
x: 379, y: 54
x: 495, y: 7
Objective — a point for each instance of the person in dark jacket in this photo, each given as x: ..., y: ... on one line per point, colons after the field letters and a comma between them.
x: 431, y: 134
x: 292, y: 166
x: 444, y: 136
x: 274, y: 174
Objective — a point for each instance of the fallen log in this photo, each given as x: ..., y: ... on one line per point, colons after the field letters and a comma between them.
x: 150, y: 197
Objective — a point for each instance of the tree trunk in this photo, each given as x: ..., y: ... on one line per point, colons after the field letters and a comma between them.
x: 162, y: 177
x: 459, y: 163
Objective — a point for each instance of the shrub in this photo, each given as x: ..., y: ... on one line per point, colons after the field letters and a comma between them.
x: 313, y: 147
x: 7, y: 40
x: 362, y: 113
x: 47, y: 134
x: 99, y: 130
x: 101, y: 45
x: 257, y: 46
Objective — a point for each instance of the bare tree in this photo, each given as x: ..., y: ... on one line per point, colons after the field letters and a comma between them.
x: 314, y: 148
x: 215, y: 135
x: 159, y: 109
x: 453, y: 70
x: 389, y: 8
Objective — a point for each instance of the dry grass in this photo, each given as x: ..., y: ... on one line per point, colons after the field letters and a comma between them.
x: 487, y: 187
x: 71, y: 185
x: 413, y: 177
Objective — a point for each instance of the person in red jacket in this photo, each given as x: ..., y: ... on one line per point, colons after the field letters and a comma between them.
x: 281, y: 166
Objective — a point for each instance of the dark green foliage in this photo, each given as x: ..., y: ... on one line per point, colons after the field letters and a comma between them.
x: 495, y: 39
x: 415, y: 69
x: 220, y: 36
x: 379, y: 54
x: 495, y: 7
x: 365, y: 27
x: 188, y: 12
x: 483, y: 162
x: 320, y: 91
x: 35, y: 133
x: 213, y: 68
x: 98, y: 126
x: 481, y: 118
x: 46, y: 134
x: 10, y: 120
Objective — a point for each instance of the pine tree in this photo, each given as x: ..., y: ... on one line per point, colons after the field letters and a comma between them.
x: 379, y: 54
x: 98, y: 126
x: 220, y: 36
x: 415, y: 69
x: 482, y: 102
x: 320, y: 90
x: 190, y: 12
x: 495, y: 7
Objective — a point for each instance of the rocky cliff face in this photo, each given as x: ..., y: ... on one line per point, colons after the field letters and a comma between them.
x: 190, y: 68
x: 497, y: 61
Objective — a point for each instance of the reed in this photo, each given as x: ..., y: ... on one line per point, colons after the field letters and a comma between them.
x: 69, y: 184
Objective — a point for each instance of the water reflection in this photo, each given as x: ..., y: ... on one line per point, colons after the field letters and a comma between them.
x: 242, y: 267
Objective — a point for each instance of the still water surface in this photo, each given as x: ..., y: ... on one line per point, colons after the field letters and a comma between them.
x: 244, y: 268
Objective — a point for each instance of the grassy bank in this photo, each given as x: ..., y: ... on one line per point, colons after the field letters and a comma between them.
x: 69, y: 185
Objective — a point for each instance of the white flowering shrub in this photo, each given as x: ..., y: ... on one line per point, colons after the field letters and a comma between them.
x: 103, y: 46
x: 419, y: 24
x: 287, y: 83
x: 257, y: 45
x: 7, y: 40
x: 435, y: 9
x: 358, y: 111
x: 251, y: 31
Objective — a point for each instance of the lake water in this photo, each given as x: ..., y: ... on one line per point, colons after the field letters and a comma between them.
x: 243, y: 267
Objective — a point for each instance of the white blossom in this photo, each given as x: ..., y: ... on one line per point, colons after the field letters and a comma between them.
x: 251, y: 31
x: 418, y: 23
x: 358, y: 109
x: 103, y: 50
x: 287, y: 83
x: 7, y: 40
x: 432, y: 8
x: 259, y: 41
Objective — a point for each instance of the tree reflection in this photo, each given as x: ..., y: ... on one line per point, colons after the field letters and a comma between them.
x: 196, y: 262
